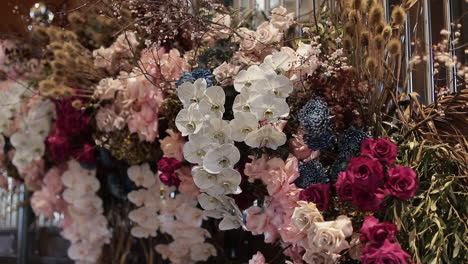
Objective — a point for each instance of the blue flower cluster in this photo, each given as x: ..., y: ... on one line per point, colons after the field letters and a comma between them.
x: 311, y: 172
x: 196, y: 74
x: 349, y: 145
x: 315, y: 118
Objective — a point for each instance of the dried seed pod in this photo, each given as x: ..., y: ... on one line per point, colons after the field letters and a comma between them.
x: 379, y: 42
x: 357, y: 4
x: 354, y: 17
x: 376, y: 15
x: 365, y: 37
x: 398, y: 15
x: 347, y: 43
x: 349, y: 30
x: 394, y: 47
x: 371, y: 64
x: 387, y: 32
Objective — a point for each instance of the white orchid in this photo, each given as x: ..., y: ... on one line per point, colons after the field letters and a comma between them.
x: 243, y: 101
x: 218, y: 130
x: 269, y: 107
x: 277, y: 63
x: 279, y: 86
x: 192, y: 93
x: 212, y: 103
x: 196, y: 148
x: 225, y: 182
x: 266, y: 136
x: 246, y: 78
x: 142, y: 175
x: 189, y: 121
x: 202, y: 178
x: 242, y: 124
x: 221, y: 157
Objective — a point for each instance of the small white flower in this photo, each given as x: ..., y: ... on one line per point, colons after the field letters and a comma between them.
x: 277, y: 63
x: 196, y: 148
x: 218, y: 130
x: 212, y: 103
x: 266, y: 136
x: 269, y: 107
x: 242, y: 124
x: 189, y: 93
x: 221, y: 157
x: 141, y: 232
x: 246, y: 78
x: 189, y: 121
x: 142, y: 175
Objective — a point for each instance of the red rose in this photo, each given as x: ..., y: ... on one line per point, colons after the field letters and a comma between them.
x: 318, y: 194
x: 381, y: 149
x: 387, y: 253
x: 344, y: 187
x: 168, y: 165
x: 402, y: 182
x: 365, y: 173
x: 366, y: 200
x: 376, y: 232
x: 170, y: 179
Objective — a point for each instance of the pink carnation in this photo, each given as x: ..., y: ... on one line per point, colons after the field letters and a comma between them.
x: 45, y: 203
x: 257, y: 259
x: 53, y: 181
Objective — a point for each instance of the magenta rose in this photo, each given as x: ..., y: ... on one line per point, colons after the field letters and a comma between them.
x: 170, y: 178
x: 85, y: 154
x: 59, y: 145
x: 168, y: 165
x: 402, y: 182
x: 365, y: 173
x: 318, y: 194
x: 344, y: 187
x: 381, y: 149
x: 385, y: 254
x: 375, y: 232
x: 366, y: 200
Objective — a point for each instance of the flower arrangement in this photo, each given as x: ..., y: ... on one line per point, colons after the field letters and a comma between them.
x: 169, y: 140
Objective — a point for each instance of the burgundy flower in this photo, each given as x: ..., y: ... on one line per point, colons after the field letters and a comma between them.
x: 168, y: 165
x: 387, y: 253
x: 318, y: 194
x: 71, y: 120
x: 85, y: 154
x: 381, y: 149
x: 59, y: 145
x: 376, y: 232
x: 365, y: 173
x: 169, y: 178
x: 402, y: 182
x: 344, y: 187
x: 366, y: 200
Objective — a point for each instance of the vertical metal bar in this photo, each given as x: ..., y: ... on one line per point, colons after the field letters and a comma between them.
x: 428, y: 49
x: 23, y: 224
x: 386, y: 10
x: 452, y: 71
x: 408, y: 52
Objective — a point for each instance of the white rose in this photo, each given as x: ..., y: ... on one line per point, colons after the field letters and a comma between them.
x: 328, y: 237
x: 306, y: 215
x: 267, y: 34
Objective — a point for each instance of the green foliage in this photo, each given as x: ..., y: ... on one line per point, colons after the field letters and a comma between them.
x: 433, y: 225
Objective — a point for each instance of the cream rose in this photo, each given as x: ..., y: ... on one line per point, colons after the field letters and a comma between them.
x: 311, y: 257
x: 224, y: 73
x: 281, y: 19
x: 306, y: 215
x: 330, y: 236
x: 246, y: 38
x: 266, y: 34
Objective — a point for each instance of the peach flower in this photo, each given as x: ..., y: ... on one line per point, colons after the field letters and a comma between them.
x: 173, y: 145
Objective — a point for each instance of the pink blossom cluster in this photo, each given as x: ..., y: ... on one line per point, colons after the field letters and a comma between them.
x: 137, y: 96
x: 369, y: 177
x: 85, y: 226
x: 48, y: 200
x: 116, y: 57
x: 275, y: 219
x: 179, y: 217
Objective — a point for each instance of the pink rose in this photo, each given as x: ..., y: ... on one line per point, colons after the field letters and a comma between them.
x: 381, y: 149
x: 256, y: 220
x: 172, y: 145
x: 291, y: 234
x: 300, y: 148
x: 387, y: 253
x: 402, y: 182
x: 344, y: 187
x: 365, y: 173
x: 376, y: 232
x: 368, y: 201
x: 318, y: 194
x: 257, y: 259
